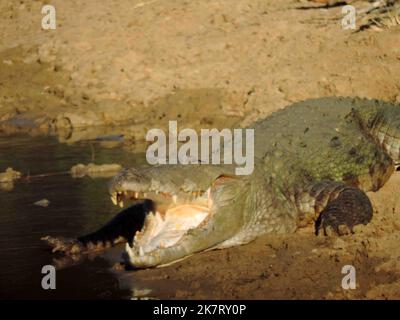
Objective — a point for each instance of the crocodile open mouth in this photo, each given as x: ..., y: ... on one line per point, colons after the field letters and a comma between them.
x: 172, y: 217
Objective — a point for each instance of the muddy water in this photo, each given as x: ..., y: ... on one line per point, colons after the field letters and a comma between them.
x: 76, y: 206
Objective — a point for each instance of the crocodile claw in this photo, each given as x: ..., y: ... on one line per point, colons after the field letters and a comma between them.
x: 65, y: 245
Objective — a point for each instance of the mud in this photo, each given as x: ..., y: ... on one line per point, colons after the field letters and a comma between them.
x: 133, y: 66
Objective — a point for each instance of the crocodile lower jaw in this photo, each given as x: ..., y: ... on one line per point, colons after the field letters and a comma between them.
x: 172, y: 217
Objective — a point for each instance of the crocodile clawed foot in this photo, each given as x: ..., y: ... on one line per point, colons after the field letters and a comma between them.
x: 68, y: 261
x: 351, y: 207
x: 332, y: 231
x: 73, y: 251
x: 67, y: 246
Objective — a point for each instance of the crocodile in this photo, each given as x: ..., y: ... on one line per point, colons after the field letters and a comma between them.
x: 314, y: 161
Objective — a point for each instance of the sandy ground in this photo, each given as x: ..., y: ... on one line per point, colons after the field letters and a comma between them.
x: 208, y: 63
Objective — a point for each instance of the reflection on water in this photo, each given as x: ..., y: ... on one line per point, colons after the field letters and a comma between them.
x: 76, y: 206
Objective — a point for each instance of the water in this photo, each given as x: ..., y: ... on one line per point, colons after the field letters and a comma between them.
x: 77, y: 206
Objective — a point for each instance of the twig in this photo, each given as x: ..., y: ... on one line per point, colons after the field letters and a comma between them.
x: 28, y: 177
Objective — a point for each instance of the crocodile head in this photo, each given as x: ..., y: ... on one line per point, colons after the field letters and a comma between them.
x: 195, y: 208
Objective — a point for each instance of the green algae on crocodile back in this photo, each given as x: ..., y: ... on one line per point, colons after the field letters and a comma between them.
x: 335, y: 139
x: 314, y: 161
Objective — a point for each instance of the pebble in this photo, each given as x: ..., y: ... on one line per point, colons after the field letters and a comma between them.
x: 42, y: 203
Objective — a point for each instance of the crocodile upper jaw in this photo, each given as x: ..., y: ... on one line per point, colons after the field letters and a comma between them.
x: 171, y: 218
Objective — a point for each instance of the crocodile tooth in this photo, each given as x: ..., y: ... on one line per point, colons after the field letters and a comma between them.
x: 128, y: 249
x: 206, y: 194
x: 150, y: 216
x: 141, y: 252
x: 114, y: 198
x: 138, y: 234
x: 121, y: 204
x: 159, y: 216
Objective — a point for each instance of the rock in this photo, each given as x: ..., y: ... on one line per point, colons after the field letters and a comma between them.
x: 9, y: 175
x: 42, y: 203
x: 93, y: 170
x: 141, y: 293
x: 7, y: 186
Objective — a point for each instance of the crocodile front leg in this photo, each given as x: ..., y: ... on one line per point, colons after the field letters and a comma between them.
x: 334, y: 207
